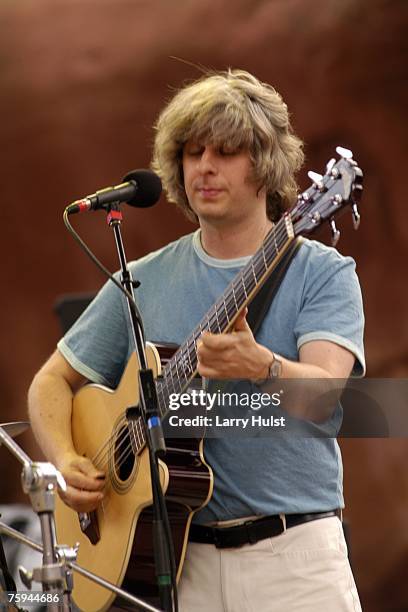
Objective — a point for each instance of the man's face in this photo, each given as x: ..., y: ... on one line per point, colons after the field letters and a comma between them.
x: 218, y: 183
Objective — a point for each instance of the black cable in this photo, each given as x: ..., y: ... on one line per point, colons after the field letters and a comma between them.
x: 103, y: 269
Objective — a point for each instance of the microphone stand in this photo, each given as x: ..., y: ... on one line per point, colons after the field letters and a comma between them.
x: 149, y: 412
x: 40, y: 481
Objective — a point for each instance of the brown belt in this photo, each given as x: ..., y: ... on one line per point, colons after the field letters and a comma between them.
x: 251, y: 532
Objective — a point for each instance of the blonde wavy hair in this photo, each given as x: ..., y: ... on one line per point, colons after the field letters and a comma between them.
x: 230, y: 108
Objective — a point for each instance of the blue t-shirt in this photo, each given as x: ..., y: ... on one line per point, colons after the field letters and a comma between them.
x: 318, y: 299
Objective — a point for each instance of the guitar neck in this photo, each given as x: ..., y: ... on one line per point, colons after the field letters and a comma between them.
x: 182, y: 367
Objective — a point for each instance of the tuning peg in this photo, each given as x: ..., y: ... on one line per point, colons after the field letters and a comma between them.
x: 330, y: 164
x: 317, y: 179
x: 337, y: 199
x: 346, y: 153
x: 335, y: 232
x: 356, y: 215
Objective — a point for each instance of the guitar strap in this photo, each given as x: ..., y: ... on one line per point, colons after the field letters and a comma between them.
x: 261, y: 303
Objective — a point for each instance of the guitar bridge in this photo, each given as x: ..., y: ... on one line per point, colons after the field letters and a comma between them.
x: 88, y: 523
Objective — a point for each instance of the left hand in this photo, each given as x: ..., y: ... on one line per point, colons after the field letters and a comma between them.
x: 235, y: 355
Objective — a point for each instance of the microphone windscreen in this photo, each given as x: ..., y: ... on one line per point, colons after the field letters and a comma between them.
x: 149, y: 187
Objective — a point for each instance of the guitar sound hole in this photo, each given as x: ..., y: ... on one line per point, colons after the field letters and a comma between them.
x: 124, y: 455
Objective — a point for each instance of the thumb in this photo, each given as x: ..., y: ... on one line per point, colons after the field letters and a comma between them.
x: 86, y: 466
x: 241, y: 324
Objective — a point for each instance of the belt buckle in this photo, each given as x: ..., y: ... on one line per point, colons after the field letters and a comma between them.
x: 252, y: 539
x: 217, y: 540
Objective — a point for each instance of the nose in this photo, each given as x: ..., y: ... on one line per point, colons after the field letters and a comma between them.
x: 207, y: 161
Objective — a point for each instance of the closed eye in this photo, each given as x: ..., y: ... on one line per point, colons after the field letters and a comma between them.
x: 193, y: 150
x: 227, y: 150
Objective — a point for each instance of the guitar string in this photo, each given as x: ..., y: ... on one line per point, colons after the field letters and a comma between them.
x: 102, y: 455
x: 250, y: 270
x: 113, y: 449
x: 125, y: 453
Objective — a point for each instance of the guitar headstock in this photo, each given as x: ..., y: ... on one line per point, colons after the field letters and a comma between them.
x: 340, y: 186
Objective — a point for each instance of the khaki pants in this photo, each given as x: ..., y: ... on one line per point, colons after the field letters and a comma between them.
x: 305, y: 569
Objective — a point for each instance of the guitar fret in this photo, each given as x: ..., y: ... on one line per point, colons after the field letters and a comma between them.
x: 192, y: 354
x: 243, y: 284
x: 178, y: 375
x: 253, y: 271
x: 186, y: 370
x: 195, y: 344
x: 259, y: 264
x: 218, y: 322
x: 226, y: 309
x: 235, y: 299
x: 213, y: 321
x: 274, y: 240
x: 172, y: 382
x: 264, y: 257
x: 224, y: 314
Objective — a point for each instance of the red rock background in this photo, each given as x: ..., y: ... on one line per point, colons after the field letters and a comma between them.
x: 81, y: 84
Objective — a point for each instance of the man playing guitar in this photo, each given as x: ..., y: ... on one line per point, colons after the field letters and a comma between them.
x: 227, y: 156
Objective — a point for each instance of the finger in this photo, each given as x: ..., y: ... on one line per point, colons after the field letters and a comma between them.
x: 86, y: 466
x: 216, y: 369
x: 80, y: 481
x: 209, y: 371
x: 215, y: 355
x: 241, y: 324
x: 215, y: 341
x: 81, y: 501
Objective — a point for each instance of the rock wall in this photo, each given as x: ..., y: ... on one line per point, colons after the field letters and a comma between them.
x: 82, y: 83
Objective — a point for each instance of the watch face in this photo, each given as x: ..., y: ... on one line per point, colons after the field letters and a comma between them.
x: 275, y: 369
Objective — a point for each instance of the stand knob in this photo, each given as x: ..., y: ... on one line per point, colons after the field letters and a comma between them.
x: 26, y: 576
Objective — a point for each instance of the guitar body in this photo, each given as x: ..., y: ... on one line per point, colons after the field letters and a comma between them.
x: 122, y: 552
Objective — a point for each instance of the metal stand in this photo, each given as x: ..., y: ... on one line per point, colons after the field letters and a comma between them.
x: 13, y: 533
x: 149, y: 412
x: 40, y: 481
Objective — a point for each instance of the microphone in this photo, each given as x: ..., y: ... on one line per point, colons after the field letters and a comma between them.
x: 140, y: 188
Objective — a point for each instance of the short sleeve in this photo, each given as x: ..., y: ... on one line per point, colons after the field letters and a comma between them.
x: 97, y: 345
x: 332, y: 307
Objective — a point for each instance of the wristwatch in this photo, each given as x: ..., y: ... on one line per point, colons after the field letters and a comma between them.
x: 275, y: 369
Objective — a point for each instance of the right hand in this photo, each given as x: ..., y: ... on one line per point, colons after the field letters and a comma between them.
x: 85, y: 483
